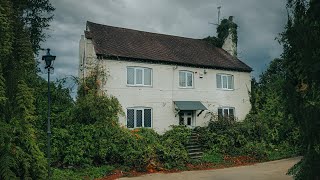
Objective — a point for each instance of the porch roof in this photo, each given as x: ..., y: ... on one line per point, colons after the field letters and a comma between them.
x: 189, y: 105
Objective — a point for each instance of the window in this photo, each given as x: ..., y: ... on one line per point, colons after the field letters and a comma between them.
x: 225, y: 81
x: 139, y: 117
x: 226, y: 112
x: 185, y: 79
x: 138, y: 76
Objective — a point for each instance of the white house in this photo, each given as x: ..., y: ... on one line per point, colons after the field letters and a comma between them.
x: 162, y: 80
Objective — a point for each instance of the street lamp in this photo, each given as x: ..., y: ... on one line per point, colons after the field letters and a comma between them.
x: 49, y: 59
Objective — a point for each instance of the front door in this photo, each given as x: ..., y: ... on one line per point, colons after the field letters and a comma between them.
x: 187, y: 118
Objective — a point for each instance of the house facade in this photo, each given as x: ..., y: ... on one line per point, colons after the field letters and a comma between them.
x: 162, y: 80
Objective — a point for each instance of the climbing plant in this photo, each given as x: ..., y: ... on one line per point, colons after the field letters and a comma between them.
x: 226, y: 27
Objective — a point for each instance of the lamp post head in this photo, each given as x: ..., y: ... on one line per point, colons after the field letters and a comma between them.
x: 48, y: 58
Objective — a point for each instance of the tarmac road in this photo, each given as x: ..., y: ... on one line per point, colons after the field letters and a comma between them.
x: 273, y: 170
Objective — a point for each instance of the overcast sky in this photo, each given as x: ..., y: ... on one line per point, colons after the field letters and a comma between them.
x: 259, y: 21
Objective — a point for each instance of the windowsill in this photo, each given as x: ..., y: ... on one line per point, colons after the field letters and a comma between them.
x: 221, y: 89
x: 186, y: 87
x: 129, y: 85
x: 138, y: 128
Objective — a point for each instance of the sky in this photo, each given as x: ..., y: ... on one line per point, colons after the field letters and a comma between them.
x: 259, y: 23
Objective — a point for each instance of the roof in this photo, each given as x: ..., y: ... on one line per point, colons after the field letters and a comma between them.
x: 159, y: 48
x: 189, y: 105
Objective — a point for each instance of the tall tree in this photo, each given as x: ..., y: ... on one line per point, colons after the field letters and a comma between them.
x: 301, y: 42
x: 21, y: 30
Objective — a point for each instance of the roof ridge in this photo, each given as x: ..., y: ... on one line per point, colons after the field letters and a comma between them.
x: 143, y: 31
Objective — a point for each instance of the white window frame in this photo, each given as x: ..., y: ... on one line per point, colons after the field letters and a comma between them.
x: 221, y: 80
x: 135, y: 68
x: 135, y: 109
x: 186, y: 76
x: 228, y: 108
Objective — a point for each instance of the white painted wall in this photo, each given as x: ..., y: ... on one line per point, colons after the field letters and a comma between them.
x: 165, y: 89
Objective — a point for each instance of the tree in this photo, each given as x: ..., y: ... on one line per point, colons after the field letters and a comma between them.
x: 301, y: 42
x: 21, y: 30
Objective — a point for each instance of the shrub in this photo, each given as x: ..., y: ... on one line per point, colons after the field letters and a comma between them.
x: 213, y: 156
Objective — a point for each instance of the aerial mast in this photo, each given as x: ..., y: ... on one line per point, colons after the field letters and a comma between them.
x: 219, y: 7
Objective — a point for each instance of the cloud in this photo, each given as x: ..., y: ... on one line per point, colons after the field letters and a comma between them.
x: 259, y: 23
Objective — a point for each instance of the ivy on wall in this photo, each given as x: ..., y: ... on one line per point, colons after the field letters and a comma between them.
x: 224, y: 28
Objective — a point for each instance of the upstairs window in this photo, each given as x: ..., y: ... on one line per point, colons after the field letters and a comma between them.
x: 139, y: 76
x: 226, y: 113
x: 139, y: 117
x: 225, y: 81
x: 185, y: 79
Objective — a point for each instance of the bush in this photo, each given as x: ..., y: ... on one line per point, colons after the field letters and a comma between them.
x: 213, y: 156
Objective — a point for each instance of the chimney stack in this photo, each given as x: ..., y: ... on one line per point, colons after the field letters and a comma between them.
x: 230, y: 42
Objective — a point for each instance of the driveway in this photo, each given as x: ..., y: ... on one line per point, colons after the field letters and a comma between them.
x: 275, y: 170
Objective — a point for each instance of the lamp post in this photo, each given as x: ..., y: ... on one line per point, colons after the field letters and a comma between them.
x: 48, y: 58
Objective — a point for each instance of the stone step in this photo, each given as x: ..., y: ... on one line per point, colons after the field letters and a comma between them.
x: 194, y: 150
x: 193, y: 146
x: 196, y: 157
x: 195, y: 154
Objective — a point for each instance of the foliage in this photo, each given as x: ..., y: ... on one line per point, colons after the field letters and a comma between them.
x: 213, y: 156
x: 171, y: 151
x: 217, y: 42
x: 21, y: 29
x: 301, y: 42
x: 267, y: 133
x: 226, y: 27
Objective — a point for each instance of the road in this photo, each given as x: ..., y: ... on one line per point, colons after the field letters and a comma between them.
x: 275, y: 170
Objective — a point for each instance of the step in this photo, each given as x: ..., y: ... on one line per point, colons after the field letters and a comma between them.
x: 196, y: 157
x: 194, y: 137
x: 194, y: 150
x: 193, y: 146
x: 195, y: 153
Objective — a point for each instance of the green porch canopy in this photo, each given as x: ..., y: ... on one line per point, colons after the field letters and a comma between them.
x: 189, y: 105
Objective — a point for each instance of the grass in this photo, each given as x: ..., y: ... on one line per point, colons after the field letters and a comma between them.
x: 86, y: 173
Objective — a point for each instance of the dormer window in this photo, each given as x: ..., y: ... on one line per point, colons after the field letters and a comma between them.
x: 185, y: 79
x: 139, y: 76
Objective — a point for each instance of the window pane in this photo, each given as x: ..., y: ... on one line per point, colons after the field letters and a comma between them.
x: 139, y: 118
x: 189, y: 78
x: 147, y: 118
x: 230, y: 82
x: 147, y: 76
x: 138, y: 76
x: 130, y: 75
x: 224, y: 81
x: 225, y: 112
x: 220, y: 113
x: 231, y: 113
x: 130, y: 118
x: 182, y: 79
x: 218, y: 81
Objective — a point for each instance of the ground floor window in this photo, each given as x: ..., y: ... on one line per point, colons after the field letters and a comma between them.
x: 226, y: 113
x: 139, y: 117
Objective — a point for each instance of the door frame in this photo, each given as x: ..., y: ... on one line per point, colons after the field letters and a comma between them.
x: 183, y: 114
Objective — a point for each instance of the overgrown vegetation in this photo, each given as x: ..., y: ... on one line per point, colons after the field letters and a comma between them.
x: 89, y: 142
x: 301, y: 42
x: 224, y: 28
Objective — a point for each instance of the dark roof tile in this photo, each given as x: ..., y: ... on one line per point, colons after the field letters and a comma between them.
x: 128, y: 43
